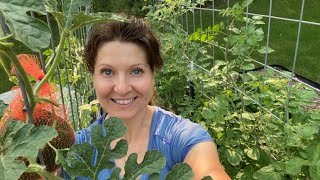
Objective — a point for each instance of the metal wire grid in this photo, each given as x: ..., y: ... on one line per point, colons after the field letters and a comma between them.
x: 265, y: 65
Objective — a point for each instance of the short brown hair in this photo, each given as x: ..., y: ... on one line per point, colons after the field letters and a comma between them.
x: 135, y: 31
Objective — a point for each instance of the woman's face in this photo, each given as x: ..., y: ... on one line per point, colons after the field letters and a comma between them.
x: 123, y: 79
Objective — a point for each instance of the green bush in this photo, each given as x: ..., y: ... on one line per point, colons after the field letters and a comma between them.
x: 129, y: 7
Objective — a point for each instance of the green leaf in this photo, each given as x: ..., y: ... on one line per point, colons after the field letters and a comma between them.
x: 294, y: 165
x: 82, y: 19
x: 257, y: 17
x: 234, y: 156
x: 253, y: 153
x: 70, y: 18
x: 267, y: 173
x: 315, y: 114
x: 307, y: 131
x: 80, y: 156
x: 313, y: 153
x: 70, y: 8
x: 154, y: 176
x: 314, y: 170
x: 30, y: 31
x: 115, y: 175
x: 248, y: 116
x: 3, y: 107
x: 153, y: 162
x: 208, y: 114
x: 21, y: 140
x: 236, y: 30
x: 180, y: 171
x: 207, y: 178
x: 216, y: 28
x: 246, y: 3
x: 120, y: 150
x: 264, y: 49
x: 79, y: 160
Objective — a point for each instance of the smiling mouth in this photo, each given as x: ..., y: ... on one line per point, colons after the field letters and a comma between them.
x: 124, y: 101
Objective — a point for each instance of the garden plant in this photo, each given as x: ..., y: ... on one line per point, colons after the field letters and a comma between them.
x: 265, y: 125
x: 261, y: 133
x: 21, y: 141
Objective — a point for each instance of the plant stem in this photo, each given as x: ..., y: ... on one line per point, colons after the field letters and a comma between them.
x: 39, y: 99
x: 54, y: 64
x: 7, y: 51
x: 36, y: 168
x: 4, y: 57
x: 7, y: 37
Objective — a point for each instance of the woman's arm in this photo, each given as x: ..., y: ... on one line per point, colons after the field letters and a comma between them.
x: 204, y: 161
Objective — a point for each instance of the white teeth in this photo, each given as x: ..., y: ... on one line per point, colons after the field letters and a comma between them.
x: 123, y: 102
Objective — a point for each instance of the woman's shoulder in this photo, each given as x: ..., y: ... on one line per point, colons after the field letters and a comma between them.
x: 174, y: 135
x: 168, y: 126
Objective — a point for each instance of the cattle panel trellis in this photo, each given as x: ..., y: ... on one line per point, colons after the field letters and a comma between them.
x: 191, y: 22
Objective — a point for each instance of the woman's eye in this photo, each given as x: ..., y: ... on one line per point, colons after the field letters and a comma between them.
x: 137, y: 71
x: 107, y: 72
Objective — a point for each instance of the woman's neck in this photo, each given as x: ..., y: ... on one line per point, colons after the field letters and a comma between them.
x: 138, y: 127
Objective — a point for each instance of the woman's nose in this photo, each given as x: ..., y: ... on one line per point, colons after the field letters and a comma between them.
x: 123, y: 85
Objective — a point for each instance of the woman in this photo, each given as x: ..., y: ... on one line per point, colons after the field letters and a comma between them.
x: 123, y: 58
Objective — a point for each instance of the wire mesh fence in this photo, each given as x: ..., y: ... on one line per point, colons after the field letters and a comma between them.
x: 207, y: 14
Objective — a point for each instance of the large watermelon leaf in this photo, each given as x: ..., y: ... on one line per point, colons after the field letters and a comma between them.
x: 79, y: 157
x: 152, y: 163
x: 21, y: 140
x: 29, y: 30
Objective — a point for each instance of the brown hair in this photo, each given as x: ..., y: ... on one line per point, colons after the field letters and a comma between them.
x: 135, y: 31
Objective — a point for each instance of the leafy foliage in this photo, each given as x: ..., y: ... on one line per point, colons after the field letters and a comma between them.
x: 244, y: 111
x: 29, y: 30
x: 18, y: 141
x: 183, y: 171
x: 79, y: 159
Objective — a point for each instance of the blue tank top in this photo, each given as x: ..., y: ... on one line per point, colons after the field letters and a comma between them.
x: 170, y: 134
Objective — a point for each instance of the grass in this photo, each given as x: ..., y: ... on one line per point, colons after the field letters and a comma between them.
x: 283, y: 34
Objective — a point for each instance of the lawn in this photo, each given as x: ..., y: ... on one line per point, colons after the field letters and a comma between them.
x: 283, y: 34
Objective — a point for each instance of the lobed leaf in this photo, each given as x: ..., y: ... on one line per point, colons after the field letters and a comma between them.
x: 152, y: 163
x: 80, y: 156
x: 79, y: 160
x: 180, y: 171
